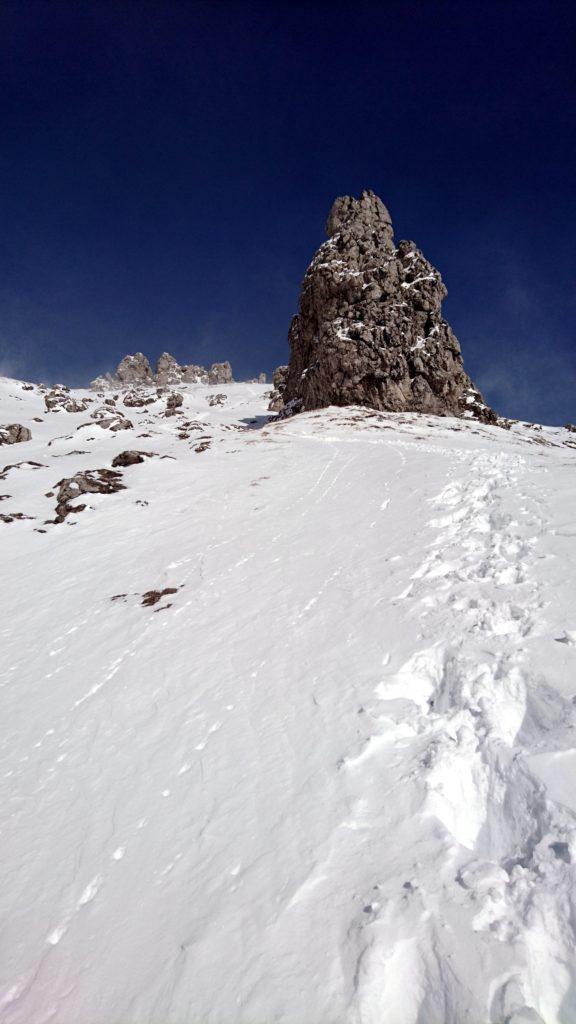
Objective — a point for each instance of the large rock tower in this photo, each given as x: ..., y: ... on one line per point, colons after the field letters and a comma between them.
x: 370, y: 329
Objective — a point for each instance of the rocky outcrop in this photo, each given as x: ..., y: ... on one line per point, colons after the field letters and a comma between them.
x: 173, y: 403
x: 279, y: 378
x: 167, y: 370
x: 60, y: 400
x: 135, y: 371
x: 111, y: 419
x: 137, y: 400
x: 104, y: 382
x: 152, y: 597
x: 193, y: 374
x: 14, y: 433
x: 92, y: 481
x: 370, y: 329
x: 220, y: 373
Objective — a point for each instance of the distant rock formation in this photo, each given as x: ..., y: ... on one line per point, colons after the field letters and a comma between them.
x: 135, y: 370
x: 370, y: 330
x: 167, y: 370
x: 279, y: 378
x: 220, y: 373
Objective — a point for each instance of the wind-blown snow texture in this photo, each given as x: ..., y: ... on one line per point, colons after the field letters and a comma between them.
x: 331, y: 777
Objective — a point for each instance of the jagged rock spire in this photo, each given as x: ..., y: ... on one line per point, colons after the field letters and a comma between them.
x: 364, y: 216
x: 370, y: 330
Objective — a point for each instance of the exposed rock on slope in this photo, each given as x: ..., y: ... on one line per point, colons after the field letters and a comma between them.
x: 370, y: 330
x: 60, y: 400
x: 14, y: 433
x: 92, y: 481
x: 129, y: 458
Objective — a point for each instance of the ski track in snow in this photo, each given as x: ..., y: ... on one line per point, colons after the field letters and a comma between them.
x: 460, y: 732
x: 331, y: 778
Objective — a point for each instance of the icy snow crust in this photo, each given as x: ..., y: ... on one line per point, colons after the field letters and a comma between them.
x: 332, y: 776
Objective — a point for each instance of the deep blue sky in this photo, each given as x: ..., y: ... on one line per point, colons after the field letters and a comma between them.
x: 166, y: 169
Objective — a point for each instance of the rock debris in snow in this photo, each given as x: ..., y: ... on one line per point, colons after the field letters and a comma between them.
x: 130, y: 458
x: 14, y: 433
x: 152, y: 597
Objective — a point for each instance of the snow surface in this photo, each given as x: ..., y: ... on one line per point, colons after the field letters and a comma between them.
x: 333, y: 777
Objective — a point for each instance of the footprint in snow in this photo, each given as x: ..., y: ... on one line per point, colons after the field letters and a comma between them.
x: 213, y: 728
x: 569, y: 638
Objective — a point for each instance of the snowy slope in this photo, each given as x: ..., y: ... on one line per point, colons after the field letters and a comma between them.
x: 332, y: 777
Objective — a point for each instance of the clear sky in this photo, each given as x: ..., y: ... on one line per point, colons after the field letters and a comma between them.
x: 166, y: 169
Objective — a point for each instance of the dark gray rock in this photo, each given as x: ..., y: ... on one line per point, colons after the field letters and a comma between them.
x: 104, y: 382
x: 129, y: 458
x: 370, y: 330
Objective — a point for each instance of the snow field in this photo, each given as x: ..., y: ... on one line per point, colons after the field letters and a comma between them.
x: 330, y: 778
